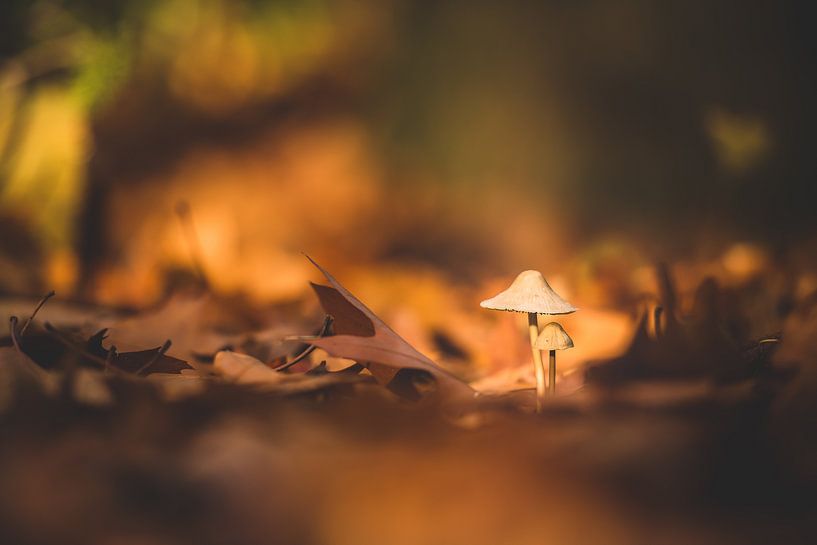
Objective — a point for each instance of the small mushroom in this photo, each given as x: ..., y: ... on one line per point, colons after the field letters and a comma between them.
x: 553, y: 338
x: 530, y: 293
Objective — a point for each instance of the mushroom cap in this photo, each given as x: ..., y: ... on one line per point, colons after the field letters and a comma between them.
x: 530, y: 293
x: 553, y: 337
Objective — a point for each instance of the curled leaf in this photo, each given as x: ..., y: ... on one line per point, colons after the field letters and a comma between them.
x: 365, y: 338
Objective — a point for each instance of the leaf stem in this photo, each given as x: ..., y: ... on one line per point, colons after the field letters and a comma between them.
x: 57, y: 334
x: 327, y: 322
x: 13, y: 328
x: 159, y: 353
x: 45, y: 298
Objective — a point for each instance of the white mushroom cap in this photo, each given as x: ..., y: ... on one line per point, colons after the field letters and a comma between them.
x: 530, y: 293
x: 553, y: 337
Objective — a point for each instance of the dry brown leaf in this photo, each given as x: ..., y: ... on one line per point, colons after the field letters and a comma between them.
x: 698, y: 346
x: 142, y: 362
x: 243, y: 369
x: 366, y: 339
x: 147, y: 362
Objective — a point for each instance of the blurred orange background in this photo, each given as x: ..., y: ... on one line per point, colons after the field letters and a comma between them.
x: 424, y: 151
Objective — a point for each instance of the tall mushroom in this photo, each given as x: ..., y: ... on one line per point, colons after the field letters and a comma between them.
x: 552, y: 338
x: 531, y: 293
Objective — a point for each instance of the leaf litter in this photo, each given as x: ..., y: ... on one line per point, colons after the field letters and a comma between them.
x: 170, y: 411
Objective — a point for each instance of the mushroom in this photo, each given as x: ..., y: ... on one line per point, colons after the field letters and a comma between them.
x: 531, y: 293
x: 553, y: 338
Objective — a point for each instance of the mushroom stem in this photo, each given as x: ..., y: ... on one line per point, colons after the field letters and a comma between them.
x: 538, y: 365
x: 552, y: 373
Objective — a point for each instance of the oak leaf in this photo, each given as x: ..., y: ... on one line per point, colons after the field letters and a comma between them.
x: 361, y: 336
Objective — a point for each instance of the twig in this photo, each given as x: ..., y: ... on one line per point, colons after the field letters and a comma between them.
x: 45, y: 298
x: 191, y: 236
x: 159, y: 353
x: 13, y: 327
x: 57, y: 334
x: 327, y: 322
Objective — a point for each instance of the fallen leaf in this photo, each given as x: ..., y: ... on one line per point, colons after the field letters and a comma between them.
x: 348, y: 319
x: 697, y: 346
x: 179, y: 320
x: 143, y: 362
x: 147, y: 362
x: 365, y: 338
x: 323, y: 369
x: 243, y: 369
